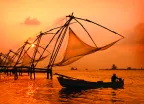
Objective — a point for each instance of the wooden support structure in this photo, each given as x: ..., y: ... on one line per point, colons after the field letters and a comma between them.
x: 19, y: 57
x: 34, y: 54
x: 47, y: 74
x: 34, y: 73
x: 10, y: 72
x: 57, y: 46
x: 30, y: 73
x: 61, y: 32
x: 6, y: 71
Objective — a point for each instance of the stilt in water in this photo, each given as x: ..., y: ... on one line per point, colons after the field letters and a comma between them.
x: 0, y: 73
x: 34, y: 73
x: 48, y: 74
x: 21, y: 71
x: 15, y: 73
x: 33, y: 69
x: 10, y: 72
x: 15, y: 76
x: 7, y: 71
x: 30, y: 73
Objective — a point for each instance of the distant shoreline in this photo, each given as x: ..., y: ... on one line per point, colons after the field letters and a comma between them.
x: 121, y: 69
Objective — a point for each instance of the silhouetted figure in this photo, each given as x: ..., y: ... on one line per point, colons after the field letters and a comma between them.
x: 114, y: 78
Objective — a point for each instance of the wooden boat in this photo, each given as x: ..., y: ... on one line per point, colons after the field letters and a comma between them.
x: 69, y: 82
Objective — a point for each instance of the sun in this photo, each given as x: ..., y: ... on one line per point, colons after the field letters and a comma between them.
x: 32, y: 45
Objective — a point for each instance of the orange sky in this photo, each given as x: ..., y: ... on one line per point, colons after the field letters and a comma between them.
x: 21, y: 19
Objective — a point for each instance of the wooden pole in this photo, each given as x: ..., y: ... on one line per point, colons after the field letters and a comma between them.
x: 10, y: 72
x: 34, y: 72
x: 21, y: 71
x: 56, y: 49
x: 47, y: 74
x: 49, y: 70
x: 7, y: 71
x: 98, y: 25
x: 35, y: 52
x: 53, y: 52
x: 87, y: 32
x: 30, y: 73
x: 15, y: 68
x: 62, y: 38
x: 47, y: 32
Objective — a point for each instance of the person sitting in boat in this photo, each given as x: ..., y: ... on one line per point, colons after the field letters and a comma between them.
x: 114, y: 78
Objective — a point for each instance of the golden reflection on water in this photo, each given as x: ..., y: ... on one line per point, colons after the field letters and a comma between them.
x: 43, y: 91
x: 30, y: 92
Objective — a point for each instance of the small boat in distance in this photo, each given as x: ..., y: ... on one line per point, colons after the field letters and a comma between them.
x: 74, y: 68
x: 69, y: 82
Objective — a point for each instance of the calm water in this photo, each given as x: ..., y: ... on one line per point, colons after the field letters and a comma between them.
x: 43, y: 91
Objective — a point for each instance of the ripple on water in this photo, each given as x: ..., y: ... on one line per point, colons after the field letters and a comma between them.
x: 43, y: 91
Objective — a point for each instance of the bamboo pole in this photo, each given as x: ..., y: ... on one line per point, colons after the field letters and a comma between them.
x: 98, y: 25
x: 56, y: 50
x: 35, y: 52
x: 47, y: 32
x: 49, y: 71
x: 15, y: 68
x: 86, y: 32
x: 61, y: 29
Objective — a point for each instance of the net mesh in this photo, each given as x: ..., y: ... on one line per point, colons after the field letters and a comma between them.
x: 27, y: 59
x: 76, y: 49
x: 5, y: 60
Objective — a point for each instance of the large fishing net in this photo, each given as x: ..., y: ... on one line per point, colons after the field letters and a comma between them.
x: 76, y: 49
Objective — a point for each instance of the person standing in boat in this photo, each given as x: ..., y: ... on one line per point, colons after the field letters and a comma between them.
x: 114, y: 78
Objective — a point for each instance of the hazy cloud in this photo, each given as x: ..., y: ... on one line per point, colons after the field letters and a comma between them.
x: 139, y: 34
x: 136, y: 35
x: 30, y: 21
x: 60, y: 20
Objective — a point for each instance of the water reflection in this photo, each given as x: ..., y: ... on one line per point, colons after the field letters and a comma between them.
x: 43, y: 91
x: 30, y: 90
x: 91, y: 96
x: 71, y: 96
x: 70, y: 93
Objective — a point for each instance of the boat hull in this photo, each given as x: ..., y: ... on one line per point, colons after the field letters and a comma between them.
x: 77, y: 83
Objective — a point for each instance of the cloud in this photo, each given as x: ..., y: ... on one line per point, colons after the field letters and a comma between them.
x: 29, y: 21
x: 137, y: 40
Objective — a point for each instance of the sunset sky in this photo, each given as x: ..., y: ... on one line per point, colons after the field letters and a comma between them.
x: 21, y: 19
